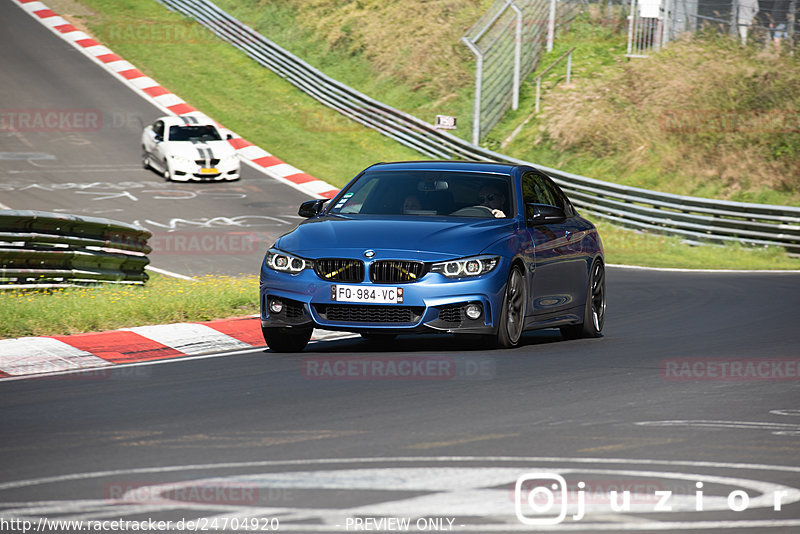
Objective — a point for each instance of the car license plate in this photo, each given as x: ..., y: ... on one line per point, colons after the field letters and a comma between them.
x: 372, y: 295
x: 210, y: 170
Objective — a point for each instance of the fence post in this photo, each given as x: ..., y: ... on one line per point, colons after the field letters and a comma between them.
x: 551, y: 26
x: 631, y: 16
x: 517, y: 55
x: 790, y: 22
x: 476, y: 106
x: 569, y: 67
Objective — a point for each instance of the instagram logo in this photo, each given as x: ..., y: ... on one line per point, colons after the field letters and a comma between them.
x: 540, y: 492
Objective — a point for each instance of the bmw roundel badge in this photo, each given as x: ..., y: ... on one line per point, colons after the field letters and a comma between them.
x: 369, y: 253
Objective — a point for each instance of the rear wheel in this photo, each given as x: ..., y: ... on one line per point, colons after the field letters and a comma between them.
x: 146, y: 161
x: 512, y: 314
x: 594, y: 311
x: 287, y: 339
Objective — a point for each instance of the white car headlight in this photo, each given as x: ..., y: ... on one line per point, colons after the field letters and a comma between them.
x: 465, y: 267
x: 284, y: 262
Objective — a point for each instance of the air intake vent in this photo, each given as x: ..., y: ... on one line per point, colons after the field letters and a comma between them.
x: 396, y: 271
x: 370, y: 314
x: 339, y: 270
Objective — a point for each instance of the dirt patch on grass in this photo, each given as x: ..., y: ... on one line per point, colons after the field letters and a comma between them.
x: 74, y: 12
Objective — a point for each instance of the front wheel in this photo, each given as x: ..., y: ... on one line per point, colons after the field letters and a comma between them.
x: 594, y: 312
x: 287, y: 339
x: 512, y: 314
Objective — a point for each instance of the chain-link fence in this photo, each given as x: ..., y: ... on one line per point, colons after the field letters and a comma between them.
x: 655, y: 22
x: 507, y: 42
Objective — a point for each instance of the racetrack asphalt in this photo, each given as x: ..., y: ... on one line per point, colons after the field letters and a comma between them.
x: 91, y: 164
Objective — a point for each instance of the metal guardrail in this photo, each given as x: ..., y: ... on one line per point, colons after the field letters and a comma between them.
x: 690, y: 217
x: 39, y: 248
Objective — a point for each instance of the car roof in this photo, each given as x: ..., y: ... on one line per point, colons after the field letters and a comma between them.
x: 470, y: 166
x: 187, y: 120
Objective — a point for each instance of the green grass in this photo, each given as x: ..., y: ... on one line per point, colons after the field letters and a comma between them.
x: 628, y: 247
x: 611, y: 123
x: 265, y: 109
x: 245, y: 97
x: 162, y: 300
x: 423, y: 90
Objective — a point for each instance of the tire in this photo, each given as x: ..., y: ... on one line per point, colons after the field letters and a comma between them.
x: 512, y: 314
x: 594, y: 312
x: 146, y: 161
x: 166, y: 174
x: 287, y: 339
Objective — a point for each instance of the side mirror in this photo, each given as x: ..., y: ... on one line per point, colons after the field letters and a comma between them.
x: 229, y: 137
x: 544, y: 213
x: 311, y: 208
x: 159, y: 138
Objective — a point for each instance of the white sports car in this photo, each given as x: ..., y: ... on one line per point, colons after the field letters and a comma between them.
x: 189, y: 148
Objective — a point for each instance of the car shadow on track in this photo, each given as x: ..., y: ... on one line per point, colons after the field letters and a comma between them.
x: 425, y: 343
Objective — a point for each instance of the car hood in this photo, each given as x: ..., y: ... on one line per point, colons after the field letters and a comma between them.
x: 189, y: 150
x: 423, y: 238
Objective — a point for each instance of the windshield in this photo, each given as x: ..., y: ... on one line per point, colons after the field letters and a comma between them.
x: 428, y: 193
x: 204, y: 132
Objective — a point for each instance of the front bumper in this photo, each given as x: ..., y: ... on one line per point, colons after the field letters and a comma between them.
x: 183, y: 171
x: 434, y: 303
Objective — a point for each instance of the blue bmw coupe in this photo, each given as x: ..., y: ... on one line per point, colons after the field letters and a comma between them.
x: 485, y: 249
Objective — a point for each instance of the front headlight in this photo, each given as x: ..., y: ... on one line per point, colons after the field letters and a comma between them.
x: 472, y: 266
x: 284, y: 262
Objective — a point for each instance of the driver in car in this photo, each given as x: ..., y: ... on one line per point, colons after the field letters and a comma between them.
x: 493, y: 198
